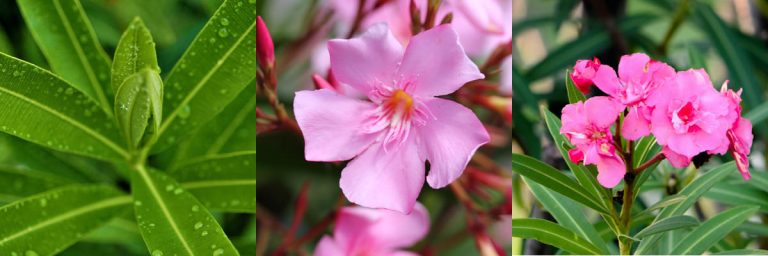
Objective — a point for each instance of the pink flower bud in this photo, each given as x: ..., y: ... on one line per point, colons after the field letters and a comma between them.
x: 265, y: 50
x: 583, y: 72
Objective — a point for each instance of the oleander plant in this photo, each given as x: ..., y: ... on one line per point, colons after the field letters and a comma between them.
x: 127, y: 128
x: 650, y: 139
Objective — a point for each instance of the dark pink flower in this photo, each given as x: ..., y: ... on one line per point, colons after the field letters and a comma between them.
x: 690, y: 116
x: 587, y: 125
x: 583, y: 72
x: 638, y: 78
x: 402, y: 124
x: 365, y: 231
x: 265, y: 50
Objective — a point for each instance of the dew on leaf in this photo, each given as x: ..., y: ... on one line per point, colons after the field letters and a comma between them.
x: 168, y: 187
x: 195, y: 208
x: 157, y: 253
x: 184, y: 112
x: 30, y: 253
x: 224, y: 21
x: 69, y: 91
x: 198, y: 225
x: 177, y: 191
x: 204, y: 233
x: 218, y: 252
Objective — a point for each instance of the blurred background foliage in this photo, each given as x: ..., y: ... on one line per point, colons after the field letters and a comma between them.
x: 174, y: 25
x: 728, y: 38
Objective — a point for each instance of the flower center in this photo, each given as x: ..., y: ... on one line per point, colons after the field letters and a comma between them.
x: 397, y: 113
x: 400, y: 103
x: 684, y: 118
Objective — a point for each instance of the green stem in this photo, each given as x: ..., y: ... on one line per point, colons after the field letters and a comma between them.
x: 680, y: 13
x: 625, y: 245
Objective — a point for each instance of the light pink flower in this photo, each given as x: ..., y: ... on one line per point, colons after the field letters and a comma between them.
x: 739, y: 135
x: 638, y: 78
x: 402, y: 123
x: 690, y: 116
x: 587, y: 125
x: 583, y: 72
x: 365, y: 231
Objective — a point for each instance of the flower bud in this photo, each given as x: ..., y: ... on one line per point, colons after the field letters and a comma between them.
x: 265, y: 49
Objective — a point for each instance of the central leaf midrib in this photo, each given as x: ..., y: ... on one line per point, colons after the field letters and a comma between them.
x: 167, y: 214
x: 205, y: 79
x: 79, y: 125
x: 219, y: 143
x: 69, y: 214
x: 218, y: 183
x: 81, y: 56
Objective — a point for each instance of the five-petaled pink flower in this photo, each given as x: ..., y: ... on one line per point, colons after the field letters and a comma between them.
x: 583, y: 72
x: 587, y: 125
x: 365, y: 231
x: 638, y: 78
x: 690, y: 116
x: 401, y: 124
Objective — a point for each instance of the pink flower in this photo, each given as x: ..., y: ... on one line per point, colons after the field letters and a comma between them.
x: 689, y: 116
x: 638, y: 78
x: 583, y: 72
x: 365, y: 231
x: 587, y: 125
x: 402, y: 124
x: 739, y: 135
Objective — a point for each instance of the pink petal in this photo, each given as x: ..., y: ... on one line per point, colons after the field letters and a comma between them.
x: 368, y: 60
x: 402, y: 253
x: 449, y: 157
x: 684, y: 144
x: 675, y: 159
x: 633, y: 67
x: 352, y: 224
x: 576, y: 155
x: 328, y: 247
x: 606, y: 80
x: 436, y: 63
x: 389, y: 232
x: 610, y: 171
x: 635, y: 125
x: 331, y: 125
x: 602, y: 111
x: 389, y: 179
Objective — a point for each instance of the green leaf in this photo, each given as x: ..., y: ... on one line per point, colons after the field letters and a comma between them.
x: 586, y: 45
x: 135, y: 51
x: 692, y: 192
x: 553, y: 179
x: 171, y: 220
x: 28, y: 158
x: 15, y: 184
x: 743, y: 252
x: 552, y: 234
x: 138, y: 99
x: 212, y: 72
x: 759, y: 180
x: 50, y: 222
x: 753, y: 228
x: 696, y: 58
x: 5, y: 44
x: 587, y: 177
x: 234, y: 129
x: 758, y: 114
x: 574, y: 94
x: 671, y: 223
x: 725, y: 193
x: 667, y: 201
x: 37, y: 106
x: 714, y: 229
x: 64, y: 34
x: 224, y: 182
x: 568, y: 214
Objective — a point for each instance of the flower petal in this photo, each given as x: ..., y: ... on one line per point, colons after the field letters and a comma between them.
x: 436, y: 63
x: 675, y: 159
x: 331, y: 125
x: 367, y: 60
x: 380, y: 178
x: 389, y: 232
x: 635, y: 125
x: 606, y: 79
x: 449, y: 157
x: 328, y: 247
x: 610, y: 171
x: 602, y: 111
x: 633, y: 67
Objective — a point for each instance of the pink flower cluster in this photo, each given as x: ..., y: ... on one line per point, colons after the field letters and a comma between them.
x: 682, y: 110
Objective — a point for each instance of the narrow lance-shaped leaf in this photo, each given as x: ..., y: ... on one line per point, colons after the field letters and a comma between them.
x: 712, y: 230
x: 37, y: 106
x: 550, y: 233
x: 67, y: 39
x: 216, y: 67
x: 50, y: 222
x: 692, y: 192
x: 574, y: 95
x: 552, y: 178
x: 172, y: 221
x: 567, y: 213
x: 137, y: 100
x: 222, y: 182
x: 29, y: 158
x: 135, y: 51
x: 672, y: 223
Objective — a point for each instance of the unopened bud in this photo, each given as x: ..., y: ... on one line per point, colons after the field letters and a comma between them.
x: 265, y: 49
